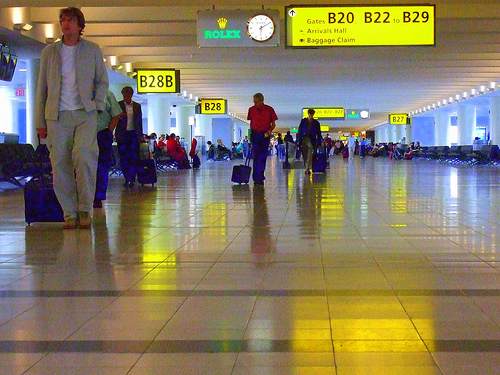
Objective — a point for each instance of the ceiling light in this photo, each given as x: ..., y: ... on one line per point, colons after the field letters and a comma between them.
x: 128, y: 67
x: 457, y: 97
x: 23, y: 26
x: 472, y: 92
x: 465, y: 95
x: 493, y: 85
x: 482, y: 89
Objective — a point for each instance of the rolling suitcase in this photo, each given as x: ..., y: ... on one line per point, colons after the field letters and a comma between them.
x: 196, y: 162
x: 319, y: 162
x: 40, y: 202
x: 241, y: 173
x: 146, y: 172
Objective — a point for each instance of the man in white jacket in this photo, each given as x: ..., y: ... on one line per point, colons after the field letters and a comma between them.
x: 72, y: 88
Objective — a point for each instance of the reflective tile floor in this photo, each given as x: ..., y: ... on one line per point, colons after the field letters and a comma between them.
x: 381, y: 267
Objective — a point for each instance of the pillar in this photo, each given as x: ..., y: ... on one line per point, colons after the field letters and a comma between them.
x: 204, y: 127
x: 399, y: 132
x: 236, y: 131
x: 158, y: 115
x: 391, y: 133
x: 495, y: 120
x: 32, y: 70
x: 442, y: 121
x: 183, y: 112
x: 408, y: 134
x: 466, y: 124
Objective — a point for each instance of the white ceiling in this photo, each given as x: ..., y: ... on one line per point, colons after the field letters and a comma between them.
x: 383, y: 79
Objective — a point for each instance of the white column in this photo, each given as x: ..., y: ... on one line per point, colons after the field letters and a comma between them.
x: 466, y: 124
x: 442, y: 121
x: 400, y: 132
x: 391, y: 133
x: 408, y: 134
x: 495, y: 120
x: 32, y: 70
x: 183, y: 130
x: 236, y: 131
x: 158, y: 114
x: 204, y: 126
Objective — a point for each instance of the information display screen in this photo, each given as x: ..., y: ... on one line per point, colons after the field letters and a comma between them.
x: 336, y: 26
x: 158, y: 81
x: 333, y: 113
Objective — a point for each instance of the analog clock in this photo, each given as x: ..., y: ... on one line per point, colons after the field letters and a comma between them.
x: 260, y: 28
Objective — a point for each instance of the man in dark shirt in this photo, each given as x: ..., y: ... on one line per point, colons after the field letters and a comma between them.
x: 262, y: 123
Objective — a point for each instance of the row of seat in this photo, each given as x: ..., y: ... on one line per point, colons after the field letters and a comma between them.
x: 487, y: 155
x: 20, y: 161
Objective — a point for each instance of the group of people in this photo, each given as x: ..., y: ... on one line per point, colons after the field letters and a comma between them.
x: 219, y: 151
x: 77, y: 114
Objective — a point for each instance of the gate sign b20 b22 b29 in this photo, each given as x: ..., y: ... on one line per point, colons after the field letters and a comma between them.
x: 337, y: 26
x: 158, y: 81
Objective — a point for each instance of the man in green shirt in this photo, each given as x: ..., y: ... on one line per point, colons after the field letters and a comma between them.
x: 106, y: 123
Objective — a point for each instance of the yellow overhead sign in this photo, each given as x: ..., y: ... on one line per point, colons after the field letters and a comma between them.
x: 158, y: 81
x: 385, y: 25
x: 213, y: 107
x: 399, y: 119
x: 326, y: 113
x: 325, y: 128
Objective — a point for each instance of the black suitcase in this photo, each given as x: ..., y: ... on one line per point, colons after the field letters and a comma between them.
x: 196, y: 161
x: 241, y: 173
x: 40, y: 202
x: 319, y: 162
x: 146, y: 172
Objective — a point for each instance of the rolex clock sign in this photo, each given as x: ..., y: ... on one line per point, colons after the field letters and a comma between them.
x: 238, y: 28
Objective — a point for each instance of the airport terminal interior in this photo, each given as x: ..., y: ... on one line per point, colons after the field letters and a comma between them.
x: 379, y: 265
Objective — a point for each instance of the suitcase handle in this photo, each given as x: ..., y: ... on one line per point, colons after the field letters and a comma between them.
x: 247, y: 160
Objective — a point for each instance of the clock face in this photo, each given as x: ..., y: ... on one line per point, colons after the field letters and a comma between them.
x: 260, y: 28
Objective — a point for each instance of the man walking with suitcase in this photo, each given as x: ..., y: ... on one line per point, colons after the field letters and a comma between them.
x: 262, y: 123
x: 72, y: 86
x: 128, y: 135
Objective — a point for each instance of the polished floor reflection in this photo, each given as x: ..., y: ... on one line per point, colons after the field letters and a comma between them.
x: 379, y: 267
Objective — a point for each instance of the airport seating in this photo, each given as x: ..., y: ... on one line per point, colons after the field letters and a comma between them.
x: 441, y: 152
x: 454, y: 154
x: 19, y: 162
x: 429, y: 153
x: 163, y: 160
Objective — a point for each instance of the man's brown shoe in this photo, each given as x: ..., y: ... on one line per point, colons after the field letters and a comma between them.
x: 69, y: 223
x: 84, y: 220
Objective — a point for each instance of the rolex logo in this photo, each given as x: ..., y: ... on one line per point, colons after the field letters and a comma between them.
x: 222, y: 22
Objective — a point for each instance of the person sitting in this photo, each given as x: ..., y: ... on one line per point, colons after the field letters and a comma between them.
x: 211, y: 151
x: 162, y: 143
x: 223, y: 153
x: 179, y: 154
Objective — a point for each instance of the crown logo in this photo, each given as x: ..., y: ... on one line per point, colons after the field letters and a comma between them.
x: 222, y: 22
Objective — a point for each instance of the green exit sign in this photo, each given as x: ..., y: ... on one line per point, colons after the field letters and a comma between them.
x: 294, y: 130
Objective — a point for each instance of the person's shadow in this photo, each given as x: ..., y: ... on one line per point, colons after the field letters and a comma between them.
x: 261, y: 242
